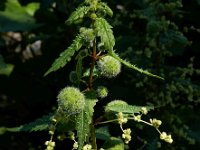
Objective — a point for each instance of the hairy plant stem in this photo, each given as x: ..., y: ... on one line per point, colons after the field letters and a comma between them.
x: 94, y: 55
x: 90, y: 84
x: 93, y: 137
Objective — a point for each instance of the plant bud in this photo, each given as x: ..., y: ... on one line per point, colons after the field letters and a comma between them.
x: 82, y: 29
x: 109, y: 66
x: 93, y: 16
x: 102, y: 91
x: 71, y: 100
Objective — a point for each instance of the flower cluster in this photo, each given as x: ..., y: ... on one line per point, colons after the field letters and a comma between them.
x: 166, y: 138
x: 126, y: 135
x: 155, y: 123
x: 121, y: 118
x: 50, y: 145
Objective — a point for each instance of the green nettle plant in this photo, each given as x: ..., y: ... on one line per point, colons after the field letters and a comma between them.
x: 75, y: 116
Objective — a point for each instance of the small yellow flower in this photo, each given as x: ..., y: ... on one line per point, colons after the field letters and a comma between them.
x: 156, y: 123
x: 137, y: 118
x: 127, y: 135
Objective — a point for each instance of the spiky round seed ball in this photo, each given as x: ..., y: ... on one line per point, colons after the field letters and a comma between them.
x: 71, y: 100
x: 109, y: 66
x: 102, y: 91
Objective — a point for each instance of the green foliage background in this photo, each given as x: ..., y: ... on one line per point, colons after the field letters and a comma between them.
x: 160, y: 36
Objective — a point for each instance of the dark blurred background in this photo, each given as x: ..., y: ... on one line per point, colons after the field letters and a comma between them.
x: 161, y: 36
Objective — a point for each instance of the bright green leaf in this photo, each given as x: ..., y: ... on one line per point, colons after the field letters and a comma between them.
x: 105, y: 8
x: 66, y: 55
x: 121, y: 106
x: 84, y: 119
x: 78, y: 14
x: 104, y: 30
x: 126, y: 63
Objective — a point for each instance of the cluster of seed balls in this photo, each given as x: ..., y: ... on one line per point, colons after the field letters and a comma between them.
x: 71, y: 100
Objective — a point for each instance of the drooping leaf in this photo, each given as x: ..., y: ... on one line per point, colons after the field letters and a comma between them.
x: 84, y: 119
x: 121, y: 106
x: 114, y: 144
x: 126, y: 63
x: 104, y: 31
x: 105, y: 8
x: 66, y: 55
x: 102, y: 133
x: 16, y: 17
x: 38, y: 125
x: 79, y: 66
x: 79, y: 13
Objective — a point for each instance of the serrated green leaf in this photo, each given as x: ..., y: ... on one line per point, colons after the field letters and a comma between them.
x: 126, y: 63
x: 38, y: 125
x: 103, y: 29
x: 79, y: 13
x: 105, y: 8
x: 119, y: 106
x: 84, y: 119
x: 66, y: 55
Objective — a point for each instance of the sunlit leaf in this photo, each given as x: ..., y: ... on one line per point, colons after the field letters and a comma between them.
x: 126, y: 63
x: 66, y: 55
x: 79, y: 13
x: 84, y: 119
x: 104, y: 31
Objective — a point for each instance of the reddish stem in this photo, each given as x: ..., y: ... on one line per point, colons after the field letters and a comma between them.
x: 94, y: 56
